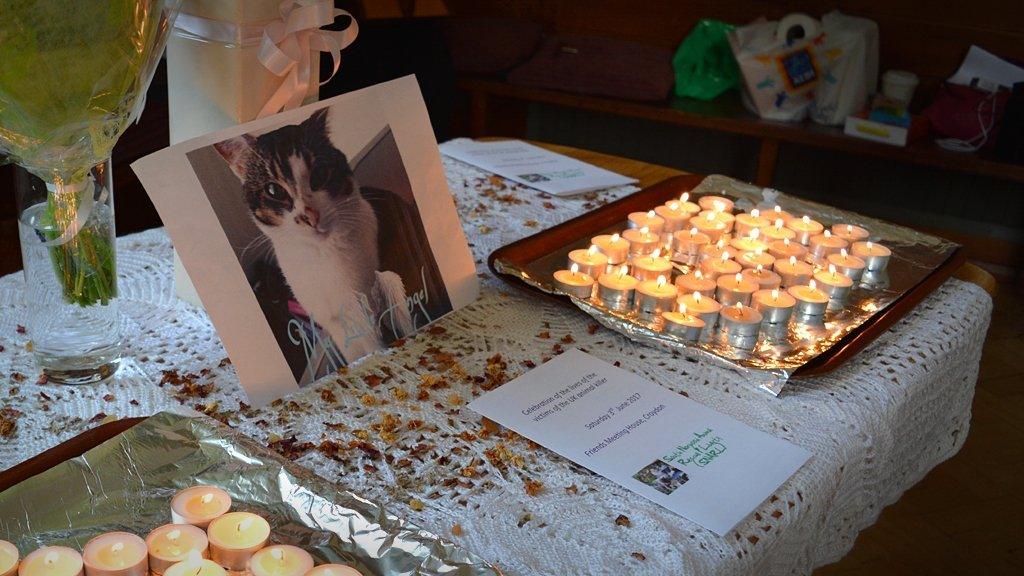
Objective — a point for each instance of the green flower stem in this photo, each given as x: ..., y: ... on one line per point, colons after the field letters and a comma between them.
x: 85, y: 264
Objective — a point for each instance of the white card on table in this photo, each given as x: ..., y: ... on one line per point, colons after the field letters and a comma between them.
x: 315, y: 236
x: 534, y: 166
x: 682, y: 455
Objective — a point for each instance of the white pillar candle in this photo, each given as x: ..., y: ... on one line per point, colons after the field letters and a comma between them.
x: 615, y: 289
x: 776, y: 306
x: 681, y: 324
x: 724, y: 217
x: 719, y: 266
x: 733, y: 289
x: 793, y: 272
x: 850, y: 233
x: 654, y: 297
x: 875, y: 256
x: 742, y: 324
x: 199, y: 505
x: 334, y: 570
x: 652, y: 266
x: 750, y: 243
x: 836, y: 285
x: 824, y: 245
x: 280, y: 560
x: 196, y: 565
x: 686, y: 245
x: 755, y: 259
x: 9, y: 557
x: 747, y: 223
x: 848, y: 264
x: 649, y: 220
x: 172, y: 543
x: 778, y: 231
x: 707, y: 223
x: 674, y: 216
x: 574, y: 283
x: 783, y: 249
x: 116, y: 554
x: 590, y: 260
x: 704, y: 308
x: 52, y: 561
x: 804, y: 228
x: 613, y: 246
x: 641, y: 241
x: 716, y: 203
x: 810, y: 301
x: 695, y: 281
x: 235, y: 537
x: 765, y: 279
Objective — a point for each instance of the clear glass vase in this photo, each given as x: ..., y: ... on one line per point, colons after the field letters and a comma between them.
x: 70, y: 262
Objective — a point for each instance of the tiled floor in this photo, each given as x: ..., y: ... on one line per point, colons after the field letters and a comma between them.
x: 967, y: 516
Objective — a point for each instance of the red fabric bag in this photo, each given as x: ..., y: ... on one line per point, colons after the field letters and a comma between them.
x: 966, y: 113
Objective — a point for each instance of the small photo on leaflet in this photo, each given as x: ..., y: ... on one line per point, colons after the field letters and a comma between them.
x: 324, y: 223
x: 662, y: 476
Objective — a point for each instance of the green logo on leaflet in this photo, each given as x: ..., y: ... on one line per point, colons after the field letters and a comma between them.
x: 699, y: 451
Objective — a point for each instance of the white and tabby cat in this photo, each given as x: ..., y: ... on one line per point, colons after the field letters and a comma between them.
x: 303, y: 196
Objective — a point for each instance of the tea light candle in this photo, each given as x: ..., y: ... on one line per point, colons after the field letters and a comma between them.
x: 778, y: 231
x: 755, y: 259
x: 810, y: 302
x: 742, y: 323
x: 724, y: 217
x: 613, y: 246
x: 686, y: 245
x: 590, y: 261
x: 712, y: 251
x: 747, y: 223
x: 750, y: 243
x: 199, y: 505
x: 765, y: 279
x: 641, y: 240
x: 333, y: 570
x: 696, y: 282
x: 172, y: 543
x: 615, y: 289
x: 774, y: 305
x: 116, y: 554
x: 674, y: 216
x: 682, y: 324
x: 652, y: 266
x: 775, y: 213
x: 716, y: 203
x: 235, y: 537
x: 793, y: 272
x: 850, y: 233
x: 707, y: 223
x: 195, y: 565
x: 847, y: 264
x: 804, y: 228
x: 824, y: 245
x: 654, y: 297
x: 704, y: 308
x: 281, y: 560
x: 734, y: 289
x: 649, y: 220
x: 52, y: 561
x: 836, y: 285
x: 723, y: 265
x: 875, y: 256
x: 686, y: 206
x: 9, y: 556
x: 783, y: 249
x: 574, y: 283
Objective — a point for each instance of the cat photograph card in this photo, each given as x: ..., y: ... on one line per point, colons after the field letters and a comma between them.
x: 316, y: 236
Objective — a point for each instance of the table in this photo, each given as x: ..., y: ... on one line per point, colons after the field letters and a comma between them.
x: 395, y: 427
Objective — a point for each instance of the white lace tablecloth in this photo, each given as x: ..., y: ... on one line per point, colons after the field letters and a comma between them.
x: 395, y: 428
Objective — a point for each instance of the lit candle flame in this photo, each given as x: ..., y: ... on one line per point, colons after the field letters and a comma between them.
x: 650, y: 213
x: 698, y: 274
x: 207, y: 498
x: 738, y: 277
x: 674, y: 206
x: 849, y: 228
x: 173, y: 535
x: 806, y: 219
x: 575, y: 268
x: 775, y: 293
x: 778, y: 223
x: 755, y: 213
x: 51, y: 558
x: 277, y: 554
x: 244, y: 524
x: 623, y: 270
x: 656, y: 254
x: 755, y: 233
x: 615, y: 238
x: 661, y: 281
x: 725, y: 256
x: 592, y: 250
x: 832, y: 270
x: 869, y: 245
x: 812, y: 285
x: 721, y: 243
x: 645, y: 230
x: 828, y: 234
x: 785, y: 242
x: 696, y: 296
x: 792, y: 260
x: 682, y: 308
x: 195, y: 561
x: 116, y: 547
x: 693, y: 231
x: 760, y: 268
x: 778, y: 208
x: 719, y: 206
x: 685, y: 197
x: 758, y: 251
x: 843, y: 253
x: 739, y: 306
x: 711, y: 217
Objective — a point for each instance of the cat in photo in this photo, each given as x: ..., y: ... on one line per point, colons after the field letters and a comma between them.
x: 302, y: 194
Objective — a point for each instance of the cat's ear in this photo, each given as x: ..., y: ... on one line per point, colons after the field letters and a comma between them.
x: 236, y: 153
x: 317, y: 123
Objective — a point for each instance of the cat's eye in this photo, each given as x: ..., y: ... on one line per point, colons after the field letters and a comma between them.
x: 275, y: 191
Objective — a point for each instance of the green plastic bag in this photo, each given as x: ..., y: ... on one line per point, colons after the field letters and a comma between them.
x: 703, y: 63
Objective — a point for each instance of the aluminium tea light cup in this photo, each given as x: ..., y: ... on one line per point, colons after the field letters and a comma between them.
x: 741, y: 324
x: 116, y: 554
x: 848, y: 264
x: 615, y: 289
x: 810, y: 301
x: 875, y: 256
x: 793, y: 272
x: 836, y: 285
x: 707, y: 223
x: 824, y: 245
x: 172, y: 543
x: 783, y: 249
x: 652, y: 266
x: 775, y: 305
x: 765, y: 279
x: 719, y: 266
x: 735, y: 289
x: 695, y: 281
x: 682, y: 324
x: 654, y: 297
x: 52, y: 561
x: 804, y: 228
x: 686, y: 245
x: 778, y: 231
x: 613, y: 246
x: 751, y: 243
x: 675, y: 217
x: 641, y: 241
x: 334, y: 570
x: 280, y: 560
x: 747, y: 223
x: 590, y: 260
x: 716, y: 203
x: 724, y: 217
x: 9, y: 557
x: 235, y: 537
x: 199, y: 505
x: 755, y: 259
x: 850, y: 232
x: 706, y: 309
x: 649, y: 220
x: 196, y: 565
x: 574, y: 283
